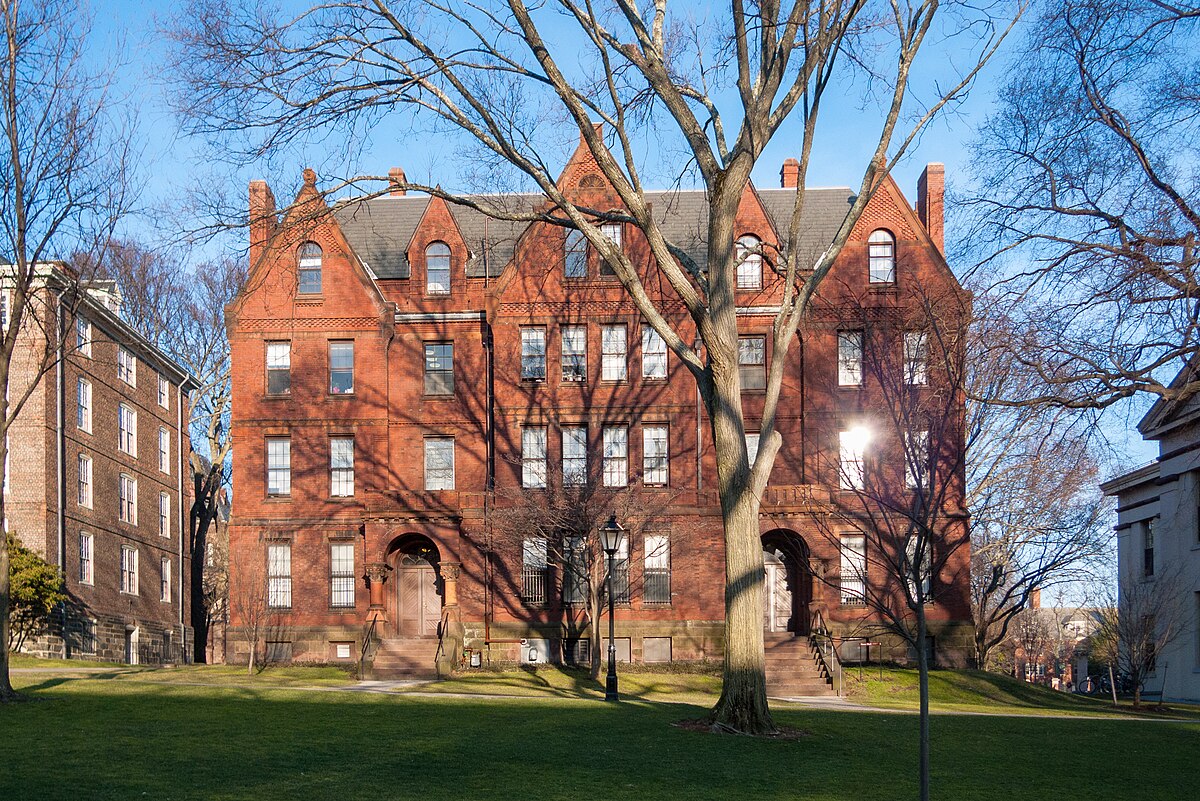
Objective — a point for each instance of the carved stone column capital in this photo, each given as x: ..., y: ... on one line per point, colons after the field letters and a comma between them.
x: 377, y: 572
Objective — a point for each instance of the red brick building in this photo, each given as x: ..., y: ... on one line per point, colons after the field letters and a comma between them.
x: 402, y: 365
x: 96, y: 480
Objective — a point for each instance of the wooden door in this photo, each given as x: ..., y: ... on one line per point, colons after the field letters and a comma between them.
x: 420, y: 603
x: 777, y: 598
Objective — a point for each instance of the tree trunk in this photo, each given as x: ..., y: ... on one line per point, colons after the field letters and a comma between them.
x: 923, y: 679
x: 6, y: 689
x: 203, y: 512
x: 743, y: 703
x: 594, y: 635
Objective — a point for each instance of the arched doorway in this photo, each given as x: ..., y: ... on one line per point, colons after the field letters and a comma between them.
x: 419, y: 590
x: 787, y: 589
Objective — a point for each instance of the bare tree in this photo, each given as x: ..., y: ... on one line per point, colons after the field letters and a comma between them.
x: 899, y: 520
x: 1037, y: 517
x: 706, y: 92
x: 558, y: 525
x: 186, y: 319
x: 1137, y: 625
x: 63, y: 186
x: 1086, y: 199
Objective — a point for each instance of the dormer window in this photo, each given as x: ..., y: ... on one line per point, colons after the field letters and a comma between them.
x: 882, y: 250
x: 309, y: 269
x: 437, y: 269
x: 749, y: 266
x: 575, y: 255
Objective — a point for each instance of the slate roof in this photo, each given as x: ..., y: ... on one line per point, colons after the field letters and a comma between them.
x: 380, y: 229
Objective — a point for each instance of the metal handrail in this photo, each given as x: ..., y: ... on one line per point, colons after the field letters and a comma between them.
x: 368, y: 638
x: 826, y: 649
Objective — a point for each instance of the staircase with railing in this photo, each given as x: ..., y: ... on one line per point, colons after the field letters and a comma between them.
x: 825, y: 649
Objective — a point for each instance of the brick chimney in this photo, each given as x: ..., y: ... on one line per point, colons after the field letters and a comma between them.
x: 931, y: 201
x: 396, y: 181
x: 789, y: 174
x: 262, y: 219
x: 1035, y: 599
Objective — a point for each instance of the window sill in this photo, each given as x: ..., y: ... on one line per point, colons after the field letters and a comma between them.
x: 310, y: 297
x: 438, y: 396
x: 277, y: 498
x: 336, y: 395
x: 277, y: 396
x: 341, y: 498
x: 129, y: 594
x: 343, y: 610
x: 532, y: 380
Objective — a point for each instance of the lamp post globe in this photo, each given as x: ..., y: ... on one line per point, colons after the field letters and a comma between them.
x: 611, y: 536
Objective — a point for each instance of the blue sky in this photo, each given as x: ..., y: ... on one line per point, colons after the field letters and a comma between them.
x: 129, y: 30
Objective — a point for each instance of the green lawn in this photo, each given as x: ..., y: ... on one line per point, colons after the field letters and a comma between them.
x: 698, y: 688
x: 976, y: 691
x: 113, y: 738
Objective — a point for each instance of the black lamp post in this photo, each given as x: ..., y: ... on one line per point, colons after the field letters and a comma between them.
x: 611, y: 536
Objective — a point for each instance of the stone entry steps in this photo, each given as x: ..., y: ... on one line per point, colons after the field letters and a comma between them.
x: 793, y: 668
x: 405, y: 658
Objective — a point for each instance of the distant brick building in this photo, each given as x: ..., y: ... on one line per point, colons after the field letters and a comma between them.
x: 96, y: 479
x: 401, y: 366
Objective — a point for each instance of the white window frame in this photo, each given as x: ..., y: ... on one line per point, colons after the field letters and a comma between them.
x: 309, y: 261
x: 87, y: 558
x: 279, y: 466
x: 881, y: 257
x: 850, y: 358
x: 656, y: 455
x: 534, y: 467
x: 129, y: 570
x: 164, y: 392
x: 164, y: 450
x: 852, y: 578
x: 922, y: 571
x: 574, y: 456
x: 127, y: 499
x: 574, y: 352
x: 752, y: 440
x: 533, y: 353
x: 164, y: 514
x: 83, y: 336
x: 432, y: 286
x: 439, y: 369
x: 916, y: 459
x: 164, y: 579
x: 654, y: 354
x: 127, y: 429
x: 341, y: 467
x: 916, y: 358
x: 852, y: 449
x: 279, y: 575
x: 341, y: 575
x: 749, y: 263
x: 615, y: 459
x: 575, y: 261
x: 85, y: 496
x: 126, y: 366
x: 535, y: 571
x: 657, y: 558
x: 614, y: 360
x: 341, y: 346
x: 753, y: 373
x: 279, y: 361
x: 83, y: 405
x: 439, y: 476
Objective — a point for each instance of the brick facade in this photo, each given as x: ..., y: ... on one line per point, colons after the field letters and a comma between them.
x: 51, y: 514
x: 505, y: 278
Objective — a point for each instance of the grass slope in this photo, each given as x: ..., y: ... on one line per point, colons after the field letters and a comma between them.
x: 977, y: 691
x: 112, y: 739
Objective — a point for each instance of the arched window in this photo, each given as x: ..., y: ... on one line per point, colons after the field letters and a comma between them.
x: 437, y: 269
x: 750, y: 261
x: 575, y: 255
x: 882, y: 249
x: 309, y: 269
